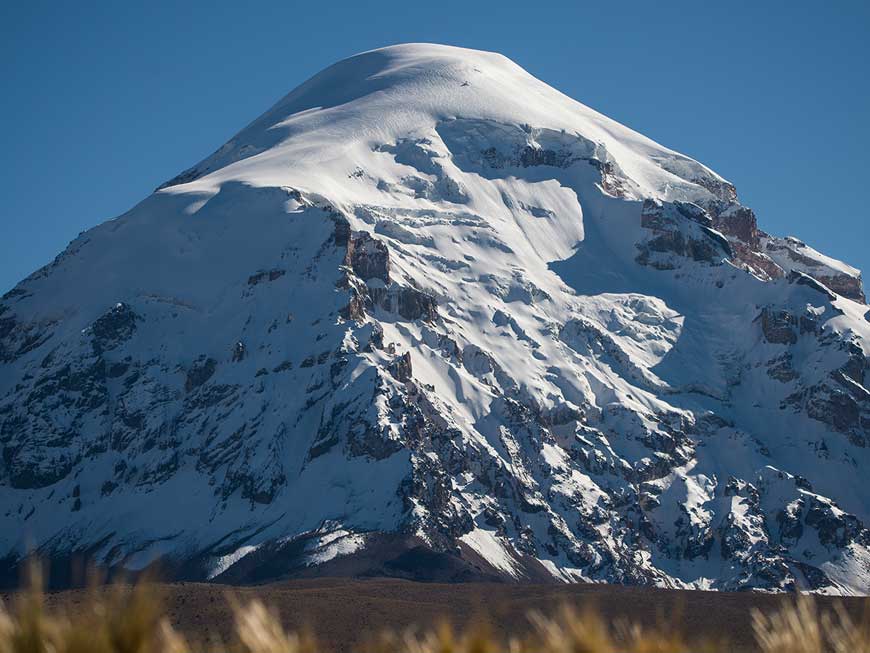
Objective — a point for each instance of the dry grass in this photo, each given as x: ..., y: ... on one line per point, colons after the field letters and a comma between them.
x: 800, y: 628
x: 129, y: 619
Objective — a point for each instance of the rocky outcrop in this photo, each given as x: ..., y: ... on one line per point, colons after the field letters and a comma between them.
x: 840, y: 399
x: 402, y: 302
x: 368, y: 262
x: 782, y: 368
x: 845, y: 285
x: 266, y: 275
x: 739, y: 222
x: 772, y: 258
x: 795, y: 256
x: 679, y: 229
x: 19, y: 338
x: 413, y: 304
x: 368, y: 257
x: 802, y: 279
x: 200, y: 372
x: 838, y: 408
x: 400, y: 368
x: 779, y: 326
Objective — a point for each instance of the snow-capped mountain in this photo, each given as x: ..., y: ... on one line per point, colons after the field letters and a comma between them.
x: 429, y: 316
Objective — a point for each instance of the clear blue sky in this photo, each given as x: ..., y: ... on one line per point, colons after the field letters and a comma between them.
x: 103, y: 101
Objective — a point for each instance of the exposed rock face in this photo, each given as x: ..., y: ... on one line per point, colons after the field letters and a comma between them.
x: 525, y: 343
x: 845, y: 285
x: 114, y: 327
x: 265, y: 275
x: 401, y: 368
x: 413, y: 304
x: 201, y: 371
x: 771, y: 258
x: 838, y: 399
x: 368, y: 258
x: 793, y: 255
x: 681, y: 229
x: 20, y: 338
x: 739, y: 222
x: 369, y: 262
x: 779, y: 327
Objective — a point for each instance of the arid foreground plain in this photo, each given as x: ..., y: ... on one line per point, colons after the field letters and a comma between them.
x: 346, y: 614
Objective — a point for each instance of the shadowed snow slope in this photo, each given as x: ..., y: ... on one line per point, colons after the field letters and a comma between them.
x: 429, y: 317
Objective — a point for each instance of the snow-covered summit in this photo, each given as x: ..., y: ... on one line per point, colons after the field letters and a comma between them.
x: 335, y: 119
x: 428, y: 316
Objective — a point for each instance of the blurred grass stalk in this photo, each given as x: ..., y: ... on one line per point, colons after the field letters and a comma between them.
x: 130, y: 619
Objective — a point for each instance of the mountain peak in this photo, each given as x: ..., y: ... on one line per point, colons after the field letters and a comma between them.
x: 428, y: 308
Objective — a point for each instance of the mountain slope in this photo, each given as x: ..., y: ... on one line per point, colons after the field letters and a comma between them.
x: 428, y: 315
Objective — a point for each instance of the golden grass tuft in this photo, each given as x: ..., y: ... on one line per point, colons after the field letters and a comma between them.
x: 800, y: 628
x: 130, y: 622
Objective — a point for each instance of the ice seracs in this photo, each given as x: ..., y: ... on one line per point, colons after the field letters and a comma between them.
x: 428, y: 316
